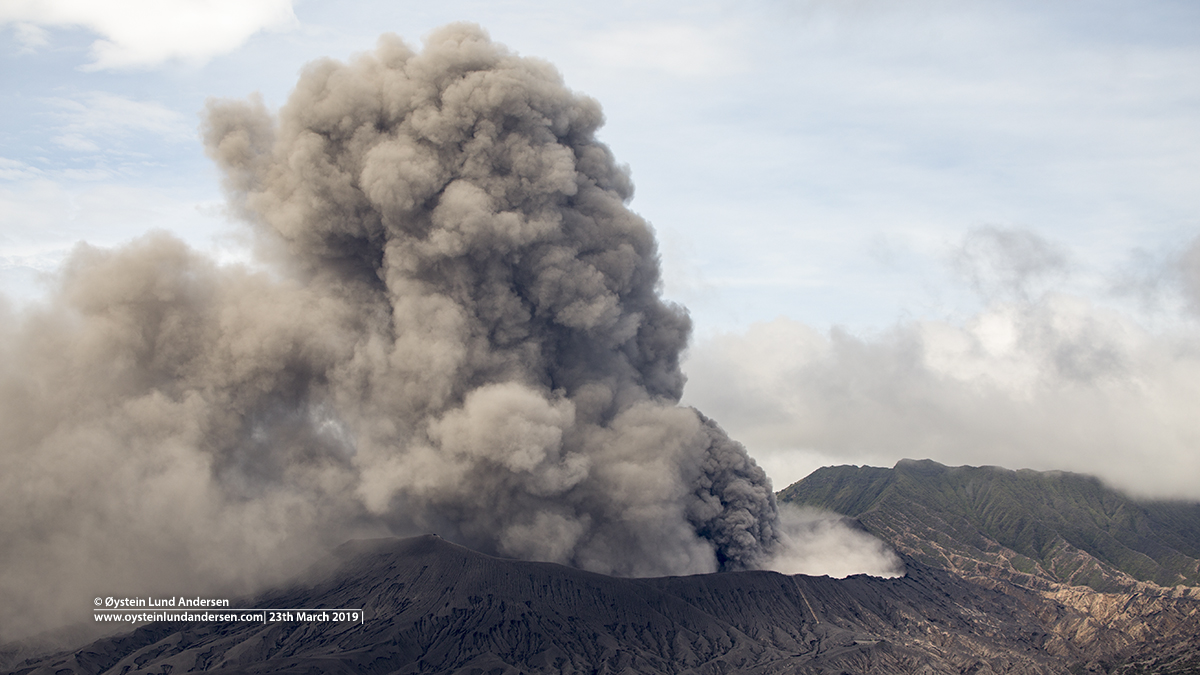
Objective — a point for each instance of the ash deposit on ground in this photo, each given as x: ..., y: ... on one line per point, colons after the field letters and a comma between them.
x: 455, y: 326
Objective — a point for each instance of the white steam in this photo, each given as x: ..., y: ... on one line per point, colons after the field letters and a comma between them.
x: 823, y: 543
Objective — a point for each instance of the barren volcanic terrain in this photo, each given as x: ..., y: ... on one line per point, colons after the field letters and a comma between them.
x: 435, y: 607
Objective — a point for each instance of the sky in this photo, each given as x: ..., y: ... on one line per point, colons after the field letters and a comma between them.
x: 955, y: 230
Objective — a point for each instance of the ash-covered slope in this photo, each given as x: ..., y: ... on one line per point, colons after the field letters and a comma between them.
x: 1025, y: 526
x: 1122, y: 574
x: 435, y: 607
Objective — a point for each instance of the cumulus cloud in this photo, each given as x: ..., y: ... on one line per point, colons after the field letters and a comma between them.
x: 147, y: 33
x: 1052, y: 381
x: 461, y: 333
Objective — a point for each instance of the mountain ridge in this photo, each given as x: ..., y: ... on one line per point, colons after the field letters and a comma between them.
x: 1034, y: 528
x: 433, y: 606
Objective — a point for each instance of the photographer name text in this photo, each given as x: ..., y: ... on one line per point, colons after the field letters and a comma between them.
x: 172, y: 602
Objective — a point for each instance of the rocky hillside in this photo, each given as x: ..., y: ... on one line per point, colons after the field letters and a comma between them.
x: 434, y: 607
x: 1035, y: 528
x: 1120, y: 571
x: 1006, y: 572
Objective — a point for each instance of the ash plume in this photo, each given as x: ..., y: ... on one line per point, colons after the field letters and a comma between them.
x: 460, y: 331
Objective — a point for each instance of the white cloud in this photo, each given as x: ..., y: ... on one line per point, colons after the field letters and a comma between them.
x: 13, y: 169
x: 101, y: 114
x: 147, y: 33
x: 1009, y: 262
x: 103, y: 136
x: 1052, y: 382
x: 30, y: 36
x: 75, y: 143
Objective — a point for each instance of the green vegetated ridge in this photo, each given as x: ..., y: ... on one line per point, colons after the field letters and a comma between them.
x: 1026, y: 526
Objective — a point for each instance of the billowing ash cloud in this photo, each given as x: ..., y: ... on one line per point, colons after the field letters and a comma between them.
x: 462, y: 333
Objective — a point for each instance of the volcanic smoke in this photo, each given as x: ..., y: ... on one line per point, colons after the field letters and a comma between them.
x: 460, y: 331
